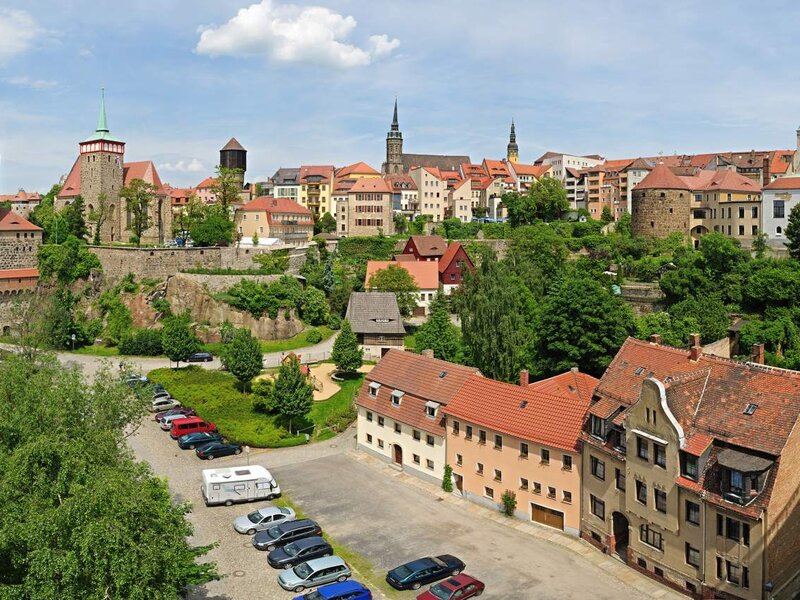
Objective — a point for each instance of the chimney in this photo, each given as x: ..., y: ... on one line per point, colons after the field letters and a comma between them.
x: 758, y: 354
x: 694, y: 339
x: 695, y: 350
x: 765, y: 175
x: 574, y: 370
x: 524, y: 380
x: 427, y: 353
x: 655, y: 339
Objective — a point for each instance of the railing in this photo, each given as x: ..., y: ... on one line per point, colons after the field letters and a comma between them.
x: 274, y: 360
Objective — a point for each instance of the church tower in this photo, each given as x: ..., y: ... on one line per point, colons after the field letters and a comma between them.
x: 101, y: 172
x: 394, y: 147
x: 512, y: 150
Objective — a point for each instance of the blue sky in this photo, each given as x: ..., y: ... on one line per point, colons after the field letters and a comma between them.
x: 313, y: 83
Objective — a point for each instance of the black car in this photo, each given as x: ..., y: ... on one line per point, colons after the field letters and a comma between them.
x: 293, y: 553
x: 283, y: 533
x: 191, y: 441
x: 200, y: 357
x: 215, y: 449
x: 424, y: 570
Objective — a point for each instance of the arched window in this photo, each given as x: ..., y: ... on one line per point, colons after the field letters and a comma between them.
x: 779, y: 230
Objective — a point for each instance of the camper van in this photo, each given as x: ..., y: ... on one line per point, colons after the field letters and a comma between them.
x: 238, y: 484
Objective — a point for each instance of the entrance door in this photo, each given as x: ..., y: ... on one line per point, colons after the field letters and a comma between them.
x: 547, y: 516
x: 398, y: 454
x: 459, y: 482
x: 620, y: 525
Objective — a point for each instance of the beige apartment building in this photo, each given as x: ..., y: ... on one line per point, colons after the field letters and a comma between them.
x: 274, y: 218
x: 316, y: 188
x: 431, y: 192
x: 690, y: 469
x: 727, y: 202
x: 459, y: 201
x: 367, y: 210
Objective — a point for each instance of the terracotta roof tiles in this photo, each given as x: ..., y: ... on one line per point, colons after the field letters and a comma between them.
x: 11, y: 221
x: 425, y: 273
x: 661, y: 178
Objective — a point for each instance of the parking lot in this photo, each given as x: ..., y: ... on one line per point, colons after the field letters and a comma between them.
x: 376, y: 515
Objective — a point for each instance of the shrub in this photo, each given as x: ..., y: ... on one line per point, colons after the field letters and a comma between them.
x: 339, y: 421
x: 141, y: 342
x: 263, y: 397
x: 335, y: 322
x: 509, y: 500
x: 129, y: 284
x: 447, y: 479
x: 162, y: 306
x: 314, y: 336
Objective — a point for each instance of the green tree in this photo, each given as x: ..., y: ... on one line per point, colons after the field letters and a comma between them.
x: 606, y: 216
x: 546, y: 200
x: 293, y: 393
x: 538, y: 255
x: 72, y: 214
x: 227, y: 187
x: 624, y: 225
x: 242, y: 357
x: 138, y: 196
x: 67, y: 262
x: 212, y: 226
x: 99, y: 215
x: 439, y: 334
x: 793, y: 232
x: 760, y: 247
x: 396, y: 279
x: 177, y: 340
x: 581, y: 324
x: 314, y: 307
x: 118, y: 321
x: 60, y: 321
x: 45, y: 216
x: 347, y: 355
x: 328, y: 275
x: 255, y: 239
x: 447, y: 479
x: 327, y: 224
x: 674, y: 331
x: 708, y: 311
x: 400, y: 223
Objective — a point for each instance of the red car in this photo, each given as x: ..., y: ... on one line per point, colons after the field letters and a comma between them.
x: 460, y: 586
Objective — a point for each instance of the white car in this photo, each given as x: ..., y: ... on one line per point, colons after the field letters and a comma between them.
x: 166, y: 422
x: 164, y: 404
x: 263, y: 519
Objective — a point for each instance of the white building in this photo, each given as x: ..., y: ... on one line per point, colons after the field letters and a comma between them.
x: 777, y: 201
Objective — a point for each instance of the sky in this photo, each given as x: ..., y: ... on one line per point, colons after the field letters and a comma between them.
x: 314, y: 83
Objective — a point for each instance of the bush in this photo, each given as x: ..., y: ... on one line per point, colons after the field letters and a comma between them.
x: 509, y: 501
x: 129, y: 284
x: 260, y: 298
x: 334, y: 322
x: 339, y: 421
x: 162, y: 306
x: 447, y: 479
x: 314, y: 336
x: 141, y: 342
x: 263, y: 397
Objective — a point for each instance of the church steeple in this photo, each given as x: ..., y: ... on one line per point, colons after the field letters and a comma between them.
x: 395, y: 125
x: 512, y: 150
x: 102, y: 125
x: 394, y: 147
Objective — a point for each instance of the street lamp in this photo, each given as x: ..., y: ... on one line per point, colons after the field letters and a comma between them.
x: 73, y: 342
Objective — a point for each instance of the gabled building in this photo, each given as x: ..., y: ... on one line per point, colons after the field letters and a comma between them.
x: 426, y: 247
x: 376, y: 321
x: 400, y: 411
x: 405, y: 196
x: 431, y: 192
x: 19, y: 244
x: 690, y: 469
x: 316, y: 188
x: 452, y: 266
x: 274, y: 218
x: 526, y: 175
x: 459, y: 201
x: 424, y: 273
x: 286, y: 183
x: 22, y: 202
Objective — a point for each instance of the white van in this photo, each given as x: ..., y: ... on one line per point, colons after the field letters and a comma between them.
x: 238, y: 484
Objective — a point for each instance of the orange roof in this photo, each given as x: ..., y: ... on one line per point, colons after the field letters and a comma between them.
x: 784, y: 183
x: 401, y: 182
x: 781, y: 161
x: 19, y: 273
x: 524, y: 412
x: 571, y: 383
x: 724, y: 180
x: 11, y: 221
x: 661, y: 178
x: 617, y: 165
x: 495, y: 168
x: 208, y: 182
x: 278, y: 205
x: 72, y: 184
x: 472, y: 170
x: 450, y: 254
x: 359, y: 168
x: 323, y: 171
x: 20, y: 196
x: 698, y: 443
x: 532, y: 170
x: 371, y: 184
x: 144, y: 170
x: 425, y: 272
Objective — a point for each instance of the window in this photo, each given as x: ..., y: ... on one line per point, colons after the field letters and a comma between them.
x: 429, y: 464
x: 732, y: 529
x: 416, y: 459
x: 498, y: 475
x: 719, y: 567
x: 689, y: 466
x: 660, y: 456
x: 692, y: 513
x: 369, y: 416
x: 661, y: 500
x: 745, y: 534
x: 736, y: 482
x: 690, y: 587
x: 488, y: 492
x: 551, y: 492
x: 598, y: 468
x: 397, y: 428
x: 692, y: 556
x: 523, y: 483
x: 430, y: 411
x: 741, y: 229
x: 481, y: 436
x: 417, y: 435
x: 429, y: 439
x: 641, y: 491
x: 523, y: 450
x: 619, y: 479
x: 545, y: 456
x: 598, y: 426
x: 456, y: 427
x: 397, y: 397
x: 598, y: 507
x: 642, y: 563
x: 777, y: 209
x: 720, y: 525
x: 373, y: 389
x: 380, y: 421
x: 498, y: 442
x: 745, y: 577
x: 380, y: 443
x: 479, y: 468
x: 369, y: 438
x: 537, y: 487
x: 566, y: 497
x: 651, y: 537
x: 566, y: 462
x: 733, y: 572
x: 641, y: 448
x: 468, y: 433
x: 754, y: 212
x: 459, y: 460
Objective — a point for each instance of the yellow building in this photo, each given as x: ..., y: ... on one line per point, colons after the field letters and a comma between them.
x: 316, y: 188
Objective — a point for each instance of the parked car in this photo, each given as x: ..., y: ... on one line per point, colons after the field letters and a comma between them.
x: 459, y: 587
x: 424, y: 570
x: 161, y: 394
x: 164, y: 404
x: 190, y: 441
x: 313, y: 573
x: 187, y: 412
x: 263, y: 518
x: 133, y: 380
x: 157, y: 387
x: 200, y: 357
x: 166, y: 422
x: 190, y: 425
x: 283, y: 533
x: 299, y: 551
x: 216, y: 449
x: 346, y: 590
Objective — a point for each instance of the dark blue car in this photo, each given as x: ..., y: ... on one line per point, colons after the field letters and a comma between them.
x: 412, y: 575
x: 213, y: 450
x: 191, y: 441
x: 346, y: 590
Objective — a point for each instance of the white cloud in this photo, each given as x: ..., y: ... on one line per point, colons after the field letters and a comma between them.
x: 183, y: 166
x: 293, y: 34
x: 34, y: 84
x: 18, y: 32
x: 86, y: 52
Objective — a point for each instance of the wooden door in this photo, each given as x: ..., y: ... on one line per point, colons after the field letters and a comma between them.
x: 547, y: 516
x: 398, y: 454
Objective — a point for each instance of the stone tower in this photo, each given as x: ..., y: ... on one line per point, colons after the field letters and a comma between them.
x: 661, y: 204
x: 512, y: 150
x: 234, y: 156
x: 101, y: 172
x: 394, y: 147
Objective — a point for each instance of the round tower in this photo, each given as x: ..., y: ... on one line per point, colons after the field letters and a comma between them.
x: 661, y: 204
x: 234, y: 156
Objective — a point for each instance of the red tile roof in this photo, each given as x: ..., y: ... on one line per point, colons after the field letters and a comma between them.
x: 19, y: 273
x: 277, y: 205
x: 450, y: 254
x: 533, y: 170
x: 323, y: 171
x: 208, y: 182
x: 371, y: 184
x: 524, y: 412
x: 144, y: 170
x: 11, y: 221
x: 72, y: 184
x: 661, y: 178
x: 401, y: 182
x: 424, y: 272
x: 573, y: 382
x: 784, y: 183
x: 721, y: 181
x: 20, y: 196
x: 698, y: 443
x: 359, y: 168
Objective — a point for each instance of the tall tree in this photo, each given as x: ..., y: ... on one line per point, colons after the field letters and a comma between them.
x: 138, y: 196
x: 99, y: 216
x: 546, y: 200
x: 293, y: 395
x: 347, y: 355
x: 177, y: 340
x: 72, y: 214
x: 327, y: 224
x: 581, y: 323
x: 227, y: 186
x: 242, y: 356
x: 314, y: 307
x: 396, y: 279
x: 400, y: 223
x: 212, y: 226
x: 439, y: 334
x: 793, y: 232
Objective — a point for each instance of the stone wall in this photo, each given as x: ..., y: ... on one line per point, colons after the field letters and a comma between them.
x: 658, y: 213
x: 500, y: 247
x: 643, y: 298
x: 11, y: 310
x: 220, y: 283
x: 19, y: 253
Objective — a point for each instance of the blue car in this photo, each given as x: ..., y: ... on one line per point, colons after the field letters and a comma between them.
x: 346, y: 590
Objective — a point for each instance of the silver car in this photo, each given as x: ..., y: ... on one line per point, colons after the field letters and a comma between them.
x: 164, y: 404
x: 262, y: 519
x: 313, y: 573
x: 166, y: 422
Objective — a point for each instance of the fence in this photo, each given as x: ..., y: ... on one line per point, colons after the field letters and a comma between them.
x: 306, y: 358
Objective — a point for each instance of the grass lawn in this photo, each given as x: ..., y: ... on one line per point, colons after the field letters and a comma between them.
x: 97, y: 350
x: 293, y: 343
x: 216, y: 397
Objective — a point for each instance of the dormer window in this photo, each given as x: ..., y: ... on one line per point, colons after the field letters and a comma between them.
x: 431, y: 408
x: 373, y: 389
x: 397, y: 397
x: 597, y: 427
x: 689, y: 466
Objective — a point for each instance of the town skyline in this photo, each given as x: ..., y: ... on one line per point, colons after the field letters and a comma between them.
x: 715, y: 94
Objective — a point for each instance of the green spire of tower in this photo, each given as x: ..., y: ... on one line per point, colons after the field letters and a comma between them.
x: 102, y: 125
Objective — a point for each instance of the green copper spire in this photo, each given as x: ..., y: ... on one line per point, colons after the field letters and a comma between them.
x: 102, y: 132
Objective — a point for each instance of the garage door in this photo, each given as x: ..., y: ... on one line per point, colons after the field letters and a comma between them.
x: 547, y: 516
